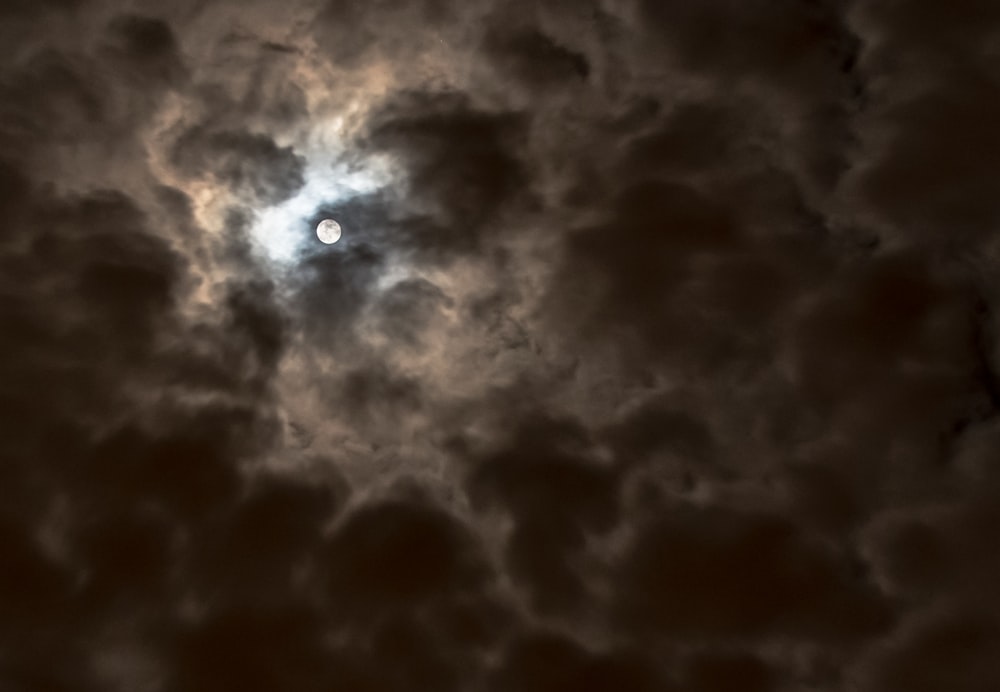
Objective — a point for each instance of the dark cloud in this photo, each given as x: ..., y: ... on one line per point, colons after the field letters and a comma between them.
x: 535, y: 60
x: 657, y: 426
x: 548, y: 661
x: 659, y: 351
x: 396, y: 555
x: 51, y: 97
x: 66, y: 107
x: 87, y: 287
x: 260, y: 550
x: 33, y: 587
x: 959, y: 643
x: 463, y: 166
x: 257, y: 649
x: 680, y: 568
x: 334, y: 290
x: 377, y: 394
x: 256, y: 327
x: 556, y: 495
x: 250, y: 164
x: 694, y: 137
x: 353, y: 33
x: 718, y: 672
x: 858, y: 353
x: 928, y: 152
x: 633, y: 269
x: 960, y: 28
x: 408, y: 309
x: 145, y: 47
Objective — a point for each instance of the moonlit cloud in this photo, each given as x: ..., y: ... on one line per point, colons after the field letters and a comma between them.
x: 281, y: 231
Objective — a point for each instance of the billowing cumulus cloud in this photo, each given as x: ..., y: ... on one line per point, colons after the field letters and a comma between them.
x: 659, y: 351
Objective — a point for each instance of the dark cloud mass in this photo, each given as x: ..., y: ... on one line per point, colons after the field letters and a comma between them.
x: 251, y: 164
x: 659, y: 352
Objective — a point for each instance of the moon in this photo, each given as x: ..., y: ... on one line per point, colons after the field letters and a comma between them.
x: 328, y: 231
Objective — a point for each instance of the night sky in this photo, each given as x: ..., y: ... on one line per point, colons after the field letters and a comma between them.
x: 659, y: 352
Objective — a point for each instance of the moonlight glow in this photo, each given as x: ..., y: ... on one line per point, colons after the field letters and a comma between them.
x: 280, y: 231
x: 333, y: 173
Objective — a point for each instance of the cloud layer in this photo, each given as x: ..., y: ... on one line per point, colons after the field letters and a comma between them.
x: 659, y: 352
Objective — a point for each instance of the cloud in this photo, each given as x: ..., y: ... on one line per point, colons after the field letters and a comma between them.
x: 547, y: 661
x: 556, y: 497
x: 535, y: 59
x: 658, y: 352
x: 255, y: 650
x: 463, y: 167
x: 957, y: 642
x: 396, y: 555
x: 147, y: 47
x: 408, y: 311
x: 91, y: 288
x: 250, y: 164
x: 711, y: 672
x: 787, y: 43
x: 678, y: 571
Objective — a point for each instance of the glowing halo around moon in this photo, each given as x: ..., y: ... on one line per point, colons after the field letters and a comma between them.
x: 328, y: 231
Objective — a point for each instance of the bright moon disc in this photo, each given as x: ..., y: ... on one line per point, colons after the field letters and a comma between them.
x: 328, y: 231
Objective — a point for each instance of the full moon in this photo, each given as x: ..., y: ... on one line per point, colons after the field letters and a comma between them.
x: 328, y: 231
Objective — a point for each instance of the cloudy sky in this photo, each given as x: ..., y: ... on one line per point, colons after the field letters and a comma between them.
x: 659, y: 352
